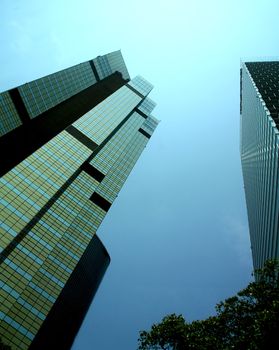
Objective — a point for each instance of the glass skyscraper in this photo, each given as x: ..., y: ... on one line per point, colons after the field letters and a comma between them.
x: 259, y: 155
x: 68, y: 142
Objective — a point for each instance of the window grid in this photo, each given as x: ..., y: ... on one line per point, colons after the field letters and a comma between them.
x: 259, y: 156
x: 141, y: 85
x: 8, y: 114
x: 38, y: 178
x: 117, y: 175
x: 114, y: 148
x: 40, y: 265
x: 42, y: 94
x: 117, y: 63
x: 150, y: 124
x: 147, y: 106
x: 98, y: 123
x: 56, y: 266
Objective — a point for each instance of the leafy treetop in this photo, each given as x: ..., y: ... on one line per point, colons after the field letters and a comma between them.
x: 247, y: 321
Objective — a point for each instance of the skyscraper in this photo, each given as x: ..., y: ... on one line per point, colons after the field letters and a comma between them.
x: 68, y: 143
x: 259, y: 108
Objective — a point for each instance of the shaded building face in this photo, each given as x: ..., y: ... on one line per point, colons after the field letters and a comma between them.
x: 69, y: 142
x: 259, y: 155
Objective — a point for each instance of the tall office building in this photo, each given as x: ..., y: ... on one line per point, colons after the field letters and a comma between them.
x: 259, y: 155
x: 68, y: 142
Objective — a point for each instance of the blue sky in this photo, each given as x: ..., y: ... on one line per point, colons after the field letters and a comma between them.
x: 178, y: 233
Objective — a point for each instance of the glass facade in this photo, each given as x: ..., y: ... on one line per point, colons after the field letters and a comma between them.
x: 40, y: 95
x: 259, y: 156
x: 103, y: 119
x: 147, y: 106
x: 9, y: 118
x: 53, y: 202
x: 141, y: 85
x: 109, y: 63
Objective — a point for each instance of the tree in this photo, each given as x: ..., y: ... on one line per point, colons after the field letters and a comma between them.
x: 169, y: 334
x: 247, y: 321
x: 3, y: 346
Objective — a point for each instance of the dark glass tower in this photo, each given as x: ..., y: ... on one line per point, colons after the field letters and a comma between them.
x: 259, y: 155
x: 68, y: 143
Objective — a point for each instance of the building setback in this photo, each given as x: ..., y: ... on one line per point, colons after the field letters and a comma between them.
x: 68, y: 142
x: 259, y: 155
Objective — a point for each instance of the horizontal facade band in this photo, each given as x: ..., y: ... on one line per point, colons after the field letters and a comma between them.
x: 27, y: 138
x: 92, y: 171
x: 100, y: 201
x: 145, y: 116
x: 105, y: 205
x: 69, y: 310
x: 24, y: 232
x: 81, y: 137
x: 19, y: 105
x: 135, y: 91
x: 92, y: 65
x: 144, y: 133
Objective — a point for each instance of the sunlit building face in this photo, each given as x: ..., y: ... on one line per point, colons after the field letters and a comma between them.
x: 70, y: 140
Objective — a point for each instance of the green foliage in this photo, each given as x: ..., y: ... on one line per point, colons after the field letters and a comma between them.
x: 3, y: 346
x: 247, y: 321
x: 169, y: 334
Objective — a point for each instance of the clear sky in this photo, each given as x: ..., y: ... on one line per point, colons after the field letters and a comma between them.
x: 177, y: 233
